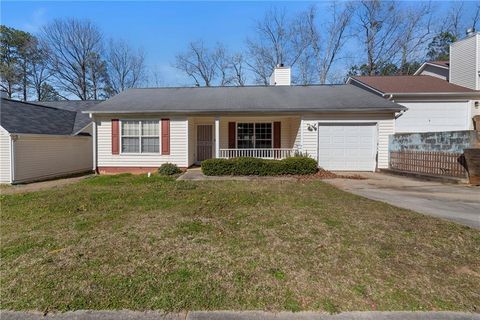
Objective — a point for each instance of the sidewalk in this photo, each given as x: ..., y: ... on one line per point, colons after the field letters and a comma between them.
x: 239, y: 315
x: 196, y: 174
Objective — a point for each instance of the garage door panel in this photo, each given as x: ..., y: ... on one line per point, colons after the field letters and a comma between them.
x: 347, y: 146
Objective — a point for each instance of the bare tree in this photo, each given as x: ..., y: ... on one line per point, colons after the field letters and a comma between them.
x: 476, y: 17
x: 126, y: 68
x: 458, y: 19
x: 277, y: 42
x: 326, y: 45
x: 199, y: 63
x: 416, y: 32
x: 40, y: 73
x: 223, y: 65
x: 98, y: 76
x: 238, y: 70
x: 455, y: 18
x: 72, y: 43
x: 379, y: 25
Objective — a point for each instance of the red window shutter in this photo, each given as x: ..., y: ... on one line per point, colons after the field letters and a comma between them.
x: 165, y: 136
x: 277, y: 134
x: 232, y: 135
x: 115, y: 136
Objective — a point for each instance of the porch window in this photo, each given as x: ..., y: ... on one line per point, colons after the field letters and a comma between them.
x: 254, y: 135
x: 140, y: 136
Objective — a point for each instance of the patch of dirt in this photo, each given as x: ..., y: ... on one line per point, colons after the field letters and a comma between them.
x: 325, y: 174
x: 466, y: 270
x: 42, y: 185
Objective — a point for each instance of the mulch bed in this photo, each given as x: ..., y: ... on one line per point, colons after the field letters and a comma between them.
x: 325, y: 174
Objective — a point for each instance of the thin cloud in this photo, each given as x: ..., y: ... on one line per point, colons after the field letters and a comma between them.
x: 36, y: 21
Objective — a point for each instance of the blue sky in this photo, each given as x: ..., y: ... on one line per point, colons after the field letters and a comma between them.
x: 162, y: 29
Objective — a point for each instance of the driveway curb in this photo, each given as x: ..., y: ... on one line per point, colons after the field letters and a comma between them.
x: 238, y: 315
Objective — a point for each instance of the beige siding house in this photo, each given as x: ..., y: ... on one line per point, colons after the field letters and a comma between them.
x: 38, y: 142
x: 341, y: 126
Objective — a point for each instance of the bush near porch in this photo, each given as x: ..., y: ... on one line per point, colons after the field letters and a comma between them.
x: 247, y: 166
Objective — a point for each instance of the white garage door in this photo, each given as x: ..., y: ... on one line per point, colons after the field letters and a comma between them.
x: 347, y: 146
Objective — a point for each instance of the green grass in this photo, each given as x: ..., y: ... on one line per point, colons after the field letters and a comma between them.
x: 132, y: 242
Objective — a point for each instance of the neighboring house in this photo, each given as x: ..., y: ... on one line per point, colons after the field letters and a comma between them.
x: 342, y: 126
x: 440, y: 96
x: 40, y: 142
x: 438, y: 69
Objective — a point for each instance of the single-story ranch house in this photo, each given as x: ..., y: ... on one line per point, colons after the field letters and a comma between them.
x: 342, y: 126
x: 39, y: 142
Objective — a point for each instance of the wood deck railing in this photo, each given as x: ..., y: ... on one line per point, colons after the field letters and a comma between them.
x: 271, y: 153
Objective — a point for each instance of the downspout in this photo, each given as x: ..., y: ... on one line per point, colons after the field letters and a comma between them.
x: 13, y: 138
x: 94, y: 130
x: 391, y: 98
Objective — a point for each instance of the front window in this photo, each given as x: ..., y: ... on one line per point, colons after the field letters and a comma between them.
x: 140, y: 136
x: 254, y: 135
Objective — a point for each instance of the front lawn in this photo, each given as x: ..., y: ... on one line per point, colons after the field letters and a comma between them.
x: 132, y: 242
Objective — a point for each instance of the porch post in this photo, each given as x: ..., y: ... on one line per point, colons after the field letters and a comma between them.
x: 217, y: 137
x: 301, y: 134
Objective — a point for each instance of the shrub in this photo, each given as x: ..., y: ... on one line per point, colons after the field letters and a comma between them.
x: 217, y: 167
x: 168, y: 169
x: 247, y: 166
x: 300, y: 165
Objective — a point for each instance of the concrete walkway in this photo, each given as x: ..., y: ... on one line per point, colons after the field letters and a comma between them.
x: 241, y: 315
x: 196, y: 174
x: 458, y: 203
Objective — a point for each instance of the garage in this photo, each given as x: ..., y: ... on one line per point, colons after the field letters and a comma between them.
x: 347, y: 146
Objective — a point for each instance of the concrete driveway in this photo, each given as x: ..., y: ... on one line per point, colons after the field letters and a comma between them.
x: 458, y: 203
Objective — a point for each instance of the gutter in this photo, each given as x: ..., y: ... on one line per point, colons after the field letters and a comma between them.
x: 39, y: 135
x: 201, y: 112
x: 433, y: 94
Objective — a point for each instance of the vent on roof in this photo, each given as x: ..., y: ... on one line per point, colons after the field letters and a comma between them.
x: 470, y: 32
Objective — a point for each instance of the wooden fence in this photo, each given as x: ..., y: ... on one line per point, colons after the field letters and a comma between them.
x: 432, y: 163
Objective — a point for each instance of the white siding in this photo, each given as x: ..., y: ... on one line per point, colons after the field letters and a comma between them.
x: 281, y: 76
x: 38, y: 157
x: 385, y: 127
x: 4, y: 157
x: 178, y: 145
x: 192, y: 141
x: 465, y: 62
x: 425, y: 116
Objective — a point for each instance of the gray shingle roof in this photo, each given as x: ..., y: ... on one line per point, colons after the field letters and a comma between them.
x: 321, y: 98
x: 81, y: 119
x: 23, y: 117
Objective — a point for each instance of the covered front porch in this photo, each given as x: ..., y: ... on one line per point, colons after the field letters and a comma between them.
x: 267, y: 137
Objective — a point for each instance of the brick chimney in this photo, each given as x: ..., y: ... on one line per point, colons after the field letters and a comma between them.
x: 281, y: 76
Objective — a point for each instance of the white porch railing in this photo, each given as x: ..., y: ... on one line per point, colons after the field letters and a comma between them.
x: 269, y: 153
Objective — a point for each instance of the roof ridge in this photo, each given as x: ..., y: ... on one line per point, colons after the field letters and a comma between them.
x: 247, y: 86
x: 34, y: 104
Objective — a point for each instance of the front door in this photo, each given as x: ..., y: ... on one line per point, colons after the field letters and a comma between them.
x: 204, y: 141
